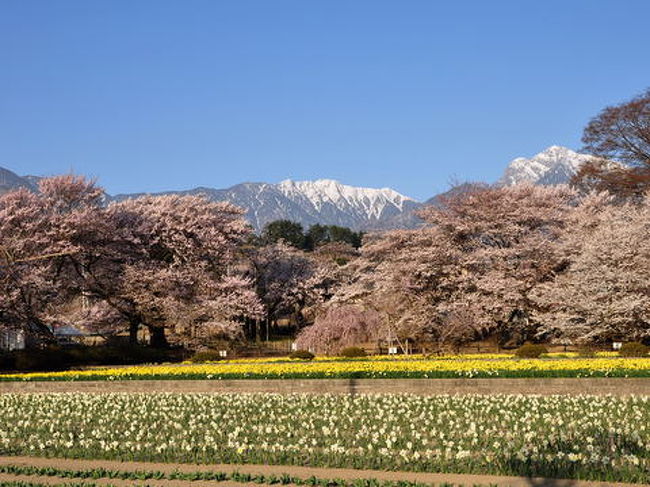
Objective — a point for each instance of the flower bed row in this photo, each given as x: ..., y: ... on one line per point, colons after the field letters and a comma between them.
x: 585, y: 437
x: 468, y: 367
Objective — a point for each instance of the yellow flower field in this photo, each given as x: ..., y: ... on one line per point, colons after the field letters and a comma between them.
x: 471, y: 366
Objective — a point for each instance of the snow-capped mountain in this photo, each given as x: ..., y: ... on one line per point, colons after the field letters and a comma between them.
x: 328, y: 195
x: 323, y: 201
x: 330, y: 202
x: 555, y: 165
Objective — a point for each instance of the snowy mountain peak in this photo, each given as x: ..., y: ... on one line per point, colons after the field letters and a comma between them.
x: 554, y: 165
x: 365, y: 202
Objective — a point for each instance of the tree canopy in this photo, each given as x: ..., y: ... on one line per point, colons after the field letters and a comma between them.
x: 619, y: 138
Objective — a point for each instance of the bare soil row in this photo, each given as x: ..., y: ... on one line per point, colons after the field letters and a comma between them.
x: 294, y: 471
x: 592, y: 386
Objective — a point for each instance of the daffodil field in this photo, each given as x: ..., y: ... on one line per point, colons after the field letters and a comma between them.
x: 453, y: 366
x: 589, y: 437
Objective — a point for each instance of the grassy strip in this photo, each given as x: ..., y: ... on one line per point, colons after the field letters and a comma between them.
x: 284, y: 479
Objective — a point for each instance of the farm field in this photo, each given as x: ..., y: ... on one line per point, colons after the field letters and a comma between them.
x: 581, y: 437
x: 453, y: 366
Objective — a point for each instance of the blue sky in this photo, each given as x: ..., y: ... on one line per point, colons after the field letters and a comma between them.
x: 154, y: 95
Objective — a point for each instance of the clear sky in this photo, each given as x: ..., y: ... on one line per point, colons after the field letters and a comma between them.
x: 155, y: 95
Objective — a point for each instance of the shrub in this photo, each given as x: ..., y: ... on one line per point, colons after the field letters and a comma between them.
x: 530, y: 350
x: 302, y: 355
x: 119, y: 354
x: 45, y: 359
x: 7, y: 361
x: 206, y: 356
x: 633, y: 349
x: 351, y: 352
x: 54, y: 358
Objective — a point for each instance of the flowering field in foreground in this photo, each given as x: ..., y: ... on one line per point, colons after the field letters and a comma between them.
x: 555, y: 436
x: 419, y: 367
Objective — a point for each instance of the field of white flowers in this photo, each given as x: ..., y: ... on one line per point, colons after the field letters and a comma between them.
x: 588, y: 437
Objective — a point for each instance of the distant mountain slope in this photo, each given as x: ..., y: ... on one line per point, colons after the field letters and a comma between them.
x: 555, y: 165
x: 322, y: 201
x: 10, y: 181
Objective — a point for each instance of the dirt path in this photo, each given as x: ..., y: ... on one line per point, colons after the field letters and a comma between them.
x: 599, y: 386
x: 294, y: 471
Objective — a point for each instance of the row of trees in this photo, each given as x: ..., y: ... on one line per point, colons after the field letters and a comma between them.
x: 316, y: 236
x: 181, y: 267
x: 519, y: 263
x: 514, y: 263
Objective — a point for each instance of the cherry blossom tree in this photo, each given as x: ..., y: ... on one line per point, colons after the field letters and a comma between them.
x: 468, y: 273
x: 507, y: 242
x: 338, y: 328
x: 605, y: 292
x: 397, y: 276
x: 167, y: 263
x: 291, y: 282
x: 37, y: 236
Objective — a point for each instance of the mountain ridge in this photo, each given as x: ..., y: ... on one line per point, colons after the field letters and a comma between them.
x: 328, y: 201
x: 324, y: 201
x: 9, y: 181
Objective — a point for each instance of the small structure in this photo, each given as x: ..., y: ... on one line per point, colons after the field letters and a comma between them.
x: 68, y: 335
x: 12, y: 339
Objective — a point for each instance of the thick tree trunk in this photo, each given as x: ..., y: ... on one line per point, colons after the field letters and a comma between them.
x: 157, y: 337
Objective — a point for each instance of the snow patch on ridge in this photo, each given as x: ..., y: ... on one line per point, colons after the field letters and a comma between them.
x: 555, y: 160
x: 369, y: 202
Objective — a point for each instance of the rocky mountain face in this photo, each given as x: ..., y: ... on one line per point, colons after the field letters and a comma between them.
x: 322, y: 201
x: 10, y: 180
x: 555, y: 165
x: 330, y: 202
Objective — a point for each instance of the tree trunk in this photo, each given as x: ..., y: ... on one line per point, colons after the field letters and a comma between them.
x: 157, y: 337
x: 133, y: 331
x: 43, y: 332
